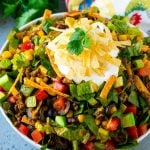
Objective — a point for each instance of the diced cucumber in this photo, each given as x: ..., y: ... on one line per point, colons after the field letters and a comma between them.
x: 119, y: 82
x: 6, y: 82
x: 25, y: 90
x: 31, y: 101
x: 61, y: 120
x: 128, y: 120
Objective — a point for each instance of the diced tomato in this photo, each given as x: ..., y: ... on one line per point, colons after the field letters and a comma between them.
x: 132, y: 132
x: 89, y: 146
x: 113, y: 124
x: 60, y: 87
x: 11, y: 99
x: 41, y: 95
x: 131, y: 108
x: 26, y: 46
x: 142, y: 129
x: 145, y: 71
x: 23, y: 129
x: 1, y: 89
x: 110, y: 145
x: 59, y: 103
x: 37, y: 136
x: 56, y: 80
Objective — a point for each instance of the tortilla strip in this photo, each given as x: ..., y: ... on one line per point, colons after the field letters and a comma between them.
x: 108, y: 85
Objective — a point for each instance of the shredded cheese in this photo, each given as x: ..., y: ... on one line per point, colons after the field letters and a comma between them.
x: 94, y: 60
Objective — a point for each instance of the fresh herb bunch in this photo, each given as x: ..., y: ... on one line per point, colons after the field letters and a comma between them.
x: 26, y: 10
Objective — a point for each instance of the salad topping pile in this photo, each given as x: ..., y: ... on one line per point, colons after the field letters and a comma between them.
x: 78, y: 82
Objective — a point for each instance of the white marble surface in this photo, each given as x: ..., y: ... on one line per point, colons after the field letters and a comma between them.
x: 9, y: 140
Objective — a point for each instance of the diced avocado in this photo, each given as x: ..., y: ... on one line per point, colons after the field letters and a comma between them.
x: 133, y: 98
x: 2, y: 97
x: 92, y: 101
x: 61, y: 120
x: 86, y: 88
x: 128, y: 120
x: 119, y: 82
x: 6, y: 82
x: 138, y: 63
x: 31, y: 101
x: 25, y: 90
x: 5, y: 63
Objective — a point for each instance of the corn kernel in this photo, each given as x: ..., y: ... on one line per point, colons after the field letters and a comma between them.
x: 43, y: 69
x: 6, y: 54
x: 123, y: 37
x: 69, y: 114
x: 81, y: 118
x: 38, y: 80
x: 40, y: 33
x: 97, y: 121
x: 26, y: 38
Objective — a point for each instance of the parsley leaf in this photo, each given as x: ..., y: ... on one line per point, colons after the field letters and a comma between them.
x: 78, y: 41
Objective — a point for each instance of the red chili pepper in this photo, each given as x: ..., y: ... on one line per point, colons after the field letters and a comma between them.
x: 89, y: 146
x: 41, y: 95
x: 131, y: 108
x: 142, y: 129
x: 23, y: 129
x: 11, y: 99
x: 59, y: 104
x: 26, y: 46
x: 37, y: 136
x: 60, y: 87
x: 132, y: 132
x: 113, y: 124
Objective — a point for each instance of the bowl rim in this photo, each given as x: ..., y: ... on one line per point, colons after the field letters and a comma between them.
x: 26, y: 138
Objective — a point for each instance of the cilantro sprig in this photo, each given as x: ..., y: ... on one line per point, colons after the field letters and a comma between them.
x: 26, y: 10
x: 78, y: 41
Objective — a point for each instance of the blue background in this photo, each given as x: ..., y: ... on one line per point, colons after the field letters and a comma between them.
x: 9, y: 140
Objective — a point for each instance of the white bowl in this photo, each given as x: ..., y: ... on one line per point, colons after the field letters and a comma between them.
x: 57, y: 15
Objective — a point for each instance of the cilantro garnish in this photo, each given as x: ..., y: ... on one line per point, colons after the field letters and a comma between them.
x: 78, y: 41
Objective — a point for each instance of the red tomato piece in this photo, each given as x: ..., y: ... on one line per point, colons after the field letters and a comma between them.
x: 37, y: 136
x: 59, y: 103
x: 60, y: 87
x: 56, y: 80
x: 23, y: 129
x: 1, y: 89
x: 132, y: 132
x: 131, y: 108
x: 41, y: 95
x: 89, y: 146
x: 119, y: 90
x: 145, y: 71
x: 11, y: 99
x: 26, y: 46
x: 142, y: 129
x: 113, y: 124
x: 110, y: 145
